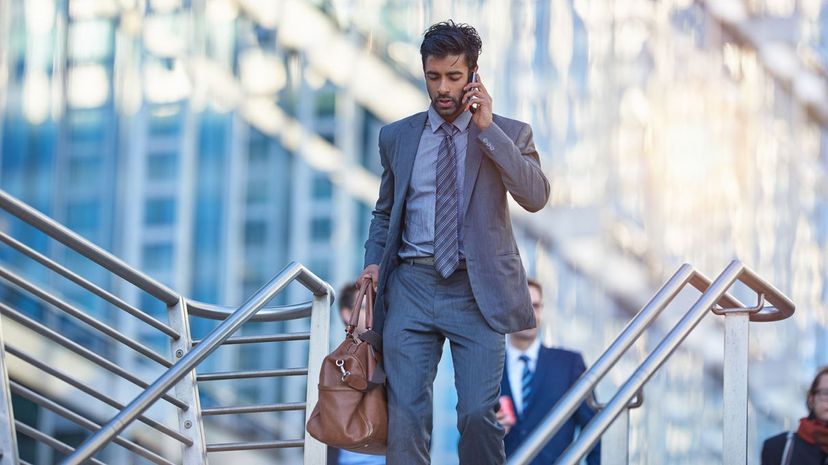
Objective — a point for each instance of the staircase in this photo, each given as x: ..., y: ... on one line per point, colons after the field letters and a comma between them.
x: 180, y: 374
x: 180, y: 366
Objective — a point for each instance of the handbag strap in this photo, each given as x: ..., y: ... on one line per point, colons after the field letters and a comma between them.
x: 364, y: 294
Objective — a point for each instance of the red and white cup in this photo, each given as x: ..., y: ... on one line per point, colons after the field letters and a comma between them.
x: 508, y: 409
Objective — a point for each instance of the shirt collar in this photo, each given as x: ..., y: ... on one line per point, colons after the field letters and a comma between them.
x: 531, y: 351
x: 435, y: 120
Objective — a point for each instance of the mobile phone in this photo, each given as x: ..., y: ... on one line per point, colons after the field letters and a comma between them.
x: 474, y: 106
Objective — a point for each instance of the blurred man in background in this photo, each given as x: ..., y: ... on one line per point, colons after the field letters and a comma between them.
x: 535, y: 378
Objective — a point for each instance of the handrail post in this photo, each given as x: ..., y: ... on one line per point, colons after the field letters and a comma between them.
x: 8, y: 440
x: 615, y: 443
x: 189, y: 421
x: 315, y: 451
x: 735, y: 395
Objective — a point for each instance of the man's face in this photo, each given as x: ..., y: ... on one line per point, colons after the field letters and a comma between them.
x: 537, y: 306
x: 819, y: 399
x: 445, y: 79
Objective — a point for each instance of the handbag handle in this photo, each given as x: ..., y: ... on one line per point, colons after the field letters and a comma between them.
x: 365, y: 293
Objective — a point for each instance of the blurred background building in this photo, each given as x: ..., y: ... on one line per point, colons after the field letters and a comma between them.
x: 210, y: 142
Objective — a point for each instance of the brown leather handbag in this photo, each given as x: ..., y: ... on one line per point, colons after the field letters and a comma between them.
x: 352, y: 411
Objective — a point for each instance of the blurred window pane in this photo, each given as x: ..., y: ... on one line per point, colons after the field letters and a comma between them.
x: 159, y: 212
x: 83, y: 215
x: 162, y: 166
x: 84, y: 170
x: 165, y: 122
x: 255, y: 232
x: 321, y: 229
x: 322, y: 187
x: 158, y: 257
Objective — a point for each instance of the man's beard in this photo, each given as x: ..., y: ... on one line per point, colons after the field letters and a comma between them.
x: 446, y: 111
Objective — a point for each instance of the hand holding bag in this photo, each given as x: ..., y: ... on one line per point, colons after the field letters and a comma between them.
x: 352, y: 411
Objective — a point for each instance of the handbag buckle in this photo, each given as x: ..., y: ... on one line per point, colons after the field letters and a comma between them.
x: 345, y: 373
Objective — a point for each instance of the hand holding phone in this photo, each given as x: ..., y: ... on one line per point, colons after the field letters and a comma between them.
x: 474, y: 105
x: 478, y: 101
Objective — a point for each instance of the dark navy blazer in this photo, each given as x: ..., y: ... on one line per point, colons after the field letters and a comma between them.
x: 556, y: 371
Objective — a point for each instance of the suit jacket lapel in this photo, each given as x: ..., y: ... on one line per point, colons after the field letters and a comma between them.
x: 473, y: 160
x: 409, y: 141
x: 541, y: 369
x: 539, y: 384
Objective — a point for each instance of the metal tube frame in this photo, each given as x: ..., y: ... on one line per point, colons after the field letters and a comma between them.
x: 265, y: 338
x: 782, y: 308
x: 86, y: 248
x: 82, y: 351
x: 193, y: 357
x: 59, y: 446
x: 237, y: 446
x: 253, y: 374
x: 8, y: 438
x: 93, y: 323
x: 86, y: 284
x: 189, y: 421
x: 85, y: 423
x: 283, y: 407
x: 92, y: 392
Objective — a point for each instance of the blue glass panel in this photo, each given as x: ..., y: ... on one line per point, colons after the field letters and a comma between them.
x: 159, y: 212
x: 162, y: 166
x: 158, y: 256
x: 83, y: 215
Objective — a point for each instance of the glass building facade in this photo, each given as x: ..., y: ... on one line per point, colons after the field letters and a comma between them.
x: 211, y: 142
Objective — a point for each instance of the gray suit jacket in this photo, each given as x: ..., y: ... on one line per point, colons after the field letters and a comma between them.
x: 499, y: 160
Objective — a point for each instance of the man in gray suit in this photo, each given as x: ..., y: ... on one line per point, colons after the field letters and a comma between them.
x: 442, y: 252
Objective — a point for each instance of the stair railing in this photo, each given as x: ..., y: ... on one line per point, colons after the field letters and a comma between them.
x: 178, y: 385
x: 715, y: 298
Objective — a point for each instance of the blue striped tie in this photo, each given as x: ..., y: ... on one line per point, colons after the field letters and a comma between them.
x: 446, y: 247
x: 526, y: 381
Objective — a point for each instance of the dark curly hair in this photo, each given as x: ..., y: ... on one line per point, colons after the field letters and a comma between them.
x: 449, y: 38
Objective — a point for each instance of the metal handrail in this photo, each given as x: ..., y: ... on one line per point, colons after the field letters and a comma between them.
x: 86, y: 248
x: 93, y: 357
x: 191, y: 359
x: 283, y: 407
x: 59, y: 446
x: 223, y: 376
x: 713, y: 293
x: 284, y: 337
x: 239, y: 446
x: 267, y: 314
x: 93, y: 323
x: 188, y: 352
x: 84, y: 422
x: 92, y: 392
x: 86, y: 284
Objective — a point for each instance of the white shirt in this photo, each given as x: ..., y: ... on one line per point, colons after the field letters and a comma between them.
x: 515, y: 369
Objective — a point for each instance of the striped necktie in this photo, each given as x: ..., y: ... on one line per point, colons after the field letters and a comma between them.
x: 526, y: 382
x: 446, y: 246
